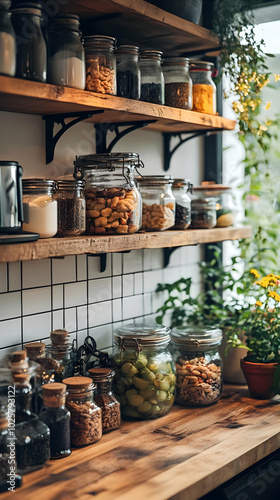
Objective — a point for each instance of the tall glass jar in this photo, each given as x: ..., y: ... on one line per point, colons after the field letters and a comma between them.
x: 66, y: 57
x: 180, y: 189
x: 7, y: 41
x: 39, y: 207
x: 158, y: 202
x: 177, y: 82
x: 104, y: 397
x: 100, y: 64
x: 61, y: 351
x: 31, y: 62
x: 152, y: 79
x: 145, y: 379
x: 198, y: 365
x: 204, y: 89
x: 71, y: 207
x: 128, y: 71
x: 113, y: 202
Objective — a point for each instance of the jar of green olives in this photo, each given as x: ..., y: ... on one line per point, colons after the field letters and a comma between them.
x: 145, y: 372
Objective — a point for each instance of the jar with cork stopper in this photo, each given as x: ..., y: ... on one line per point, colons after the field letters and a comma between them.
x: 104, y: 397
x: 61, y: 350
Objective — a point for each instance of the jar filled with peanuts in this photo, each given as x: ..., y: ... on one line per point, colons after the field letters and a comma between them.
x: 113, y: 202
x: 100, y: 64
x: 198, y: 365
x: 104, y: 397
x: 158, y: 202
x: 203, y: 87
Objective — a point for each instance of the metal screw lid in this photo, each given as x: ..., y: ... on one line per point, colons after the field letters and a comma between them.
x: 155, y: 180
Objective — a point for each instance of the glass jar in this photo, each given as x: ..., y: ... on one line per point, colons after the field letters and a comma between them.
x: 180, y: 189
x: 100, y: 64
x: 45, y: 374
x: 177, y: 83
x: 145, y: 379
x: 152, y: 79
x: 7, y: 42
x: 158, y: 202
x: 39, y: 207
x: 35, y: 350
x: 66, y: 56
x: 113, y: 202
x: 222, y: 195
x: 61, y: 351
x: 204, y: 89
x: 198, y: 365
x: 104, y: 397
x: 31, y: 62
x: 128, y: 71
x: 71, y: 207
x: 57, y: 418
x: 203, y: 213
x: 86, y: 417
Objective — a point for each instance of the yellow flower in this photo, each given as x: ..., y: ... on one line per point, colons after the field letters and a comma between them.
x: 268, y: 105
x: 277, y: 77
x: 258, y: 303
x: 255, y: 273
x: 275, y: 296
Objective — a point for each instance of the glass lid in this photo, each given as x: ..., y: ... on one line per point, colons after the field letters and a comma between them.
x: 210, y: 188
x: 144, y: 333
x: 193, y: 336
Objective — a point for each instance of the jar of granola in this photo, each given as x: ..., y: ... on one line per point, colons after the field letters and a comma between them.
x: 198, y: 365
x: 104, y: 397
x: 158, y: 211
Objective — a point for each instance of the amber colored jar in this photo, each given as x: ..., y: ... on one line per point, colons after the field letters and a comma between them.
x: 104, y: 397
x: 204, y: 89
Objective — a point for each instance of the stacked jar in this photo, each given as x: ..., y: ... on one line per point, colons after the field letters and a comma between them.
x: 61, y: 351
x: 104, y: 397
x: 178, y: 85
x: 158, y: 202
x: 204, y: 89
x: 71, y: 207
x: 7, y: 41
x: 152, y: 79
x: 39, y: 207
x: 100, y: 64
x: 128, y: 71
x: 180, y: 189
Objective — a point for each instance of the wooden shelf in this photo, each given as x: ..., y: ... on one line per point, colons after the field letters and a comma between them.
x: 60, y: 247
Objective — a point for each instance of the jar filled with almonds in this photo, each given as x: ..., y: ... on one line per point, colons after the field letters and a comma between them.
x: 198, y: 365
x: 104, y: 397
x: 100, y: 64
x: 158, y: 211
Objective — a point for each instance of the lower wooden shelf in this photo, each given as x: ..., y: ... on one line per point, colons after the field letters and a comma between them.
x: 60, y: 247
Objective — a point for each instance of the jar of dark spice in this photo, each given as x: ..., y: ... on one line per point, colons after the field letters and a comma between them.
x: 178, y: 84
x: 128, y: 71
x: 203, y: 213
x: 180, y: 189
x: 100, y: 64
x: 71, y: 207
x: 104, y: 397
x: 61, y: 350
x: 152, y: 80
x: 57, y: 418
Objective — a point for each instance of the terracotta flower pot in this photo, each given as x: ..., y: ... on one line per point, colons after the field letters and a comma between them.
x: 259, y: 377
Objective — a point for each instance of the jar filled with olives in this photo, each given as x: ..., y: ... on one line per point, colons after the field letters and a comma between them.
x: 145, y: 373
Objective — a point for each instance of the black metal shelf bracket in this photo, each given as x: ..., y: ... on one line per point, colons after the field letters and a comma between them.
x: 102, y: 129
x: 51, y: 139
x: 103, y: 260
x: 167, y: 252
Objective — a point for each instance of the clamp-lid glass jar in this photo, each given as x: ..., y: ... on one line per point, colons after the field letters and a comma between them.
x: 177, y: 82
x: 158, y: 202
x: 104, y: 397
x: 128, y: 71
x: 152, y: 79
x: 100, y: 64
x: 180, y: 189
x: 113, y: 202
x: 39, y: 207
x: 7, y: 42
x: 144, y: 380
x: 203, y: 89
x: 71, y: 207
x: 198, y: 365
x: 225, y: 208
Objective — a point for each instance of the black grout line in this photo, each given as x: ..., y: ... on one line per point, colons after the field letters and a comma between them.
x: 8, y: 277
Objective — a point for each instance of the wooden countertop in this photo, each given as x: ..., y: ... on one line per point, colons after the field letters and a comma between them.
x: 184, y: 454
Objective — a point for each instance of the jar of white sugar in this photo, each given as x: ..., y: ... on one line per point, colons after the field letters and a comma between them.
x: 7, y: 41
x: 39, y: 207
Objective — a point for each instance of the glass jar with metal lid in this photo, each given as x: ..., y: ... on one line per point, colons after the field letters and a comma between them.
x: 113, y: 202
x: 152, y: 79
x: 7, y: 41
x: 39, y: 207
x: 204, y: 89
x: 198, y: 364
x: 71, y: 207
x: 105, y: 398
x: 180, y: 189
x: 158, y: 202
x: 222, y: 196
x: 128, y: 71
x: 100, y: 64
x: 145, y: 376
x: 177, y: 82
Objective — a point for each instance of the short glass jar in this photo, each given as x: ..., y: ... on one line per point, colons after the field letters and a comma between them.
x: 180, y: 189
x: 203, y: 213
x: 145, y: 375
x: 66, y: 56
x: 86, y: 416
x: 104, y: 397
x: 158, y: 211
x: 113, y: 202
x: 225, y: 207
x: 198, y: 365
x: 39, y: 207
x: 152, y: 79
x: 100, y: 64
x: 204, y: 89
x: 7, y: 42
x: 61, y: 351
x: 71, y: 207
x: 177, y: 82
x: 128, y: 71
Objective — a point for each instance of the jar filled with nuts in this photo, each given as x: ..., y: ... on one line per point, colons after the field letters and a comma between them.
x: 158, y: 202
x: 100, y: 64
x: 180, y: 189
x: 198, y: 365
x: 86, y: 417
x: 113, y: 202
x: 110, y: 406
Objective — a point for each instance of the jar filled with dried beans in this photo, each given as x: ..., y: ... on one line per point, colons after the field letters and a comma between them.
x: 104, y: 397
x: 204, y: 89
x: 178, y: 84
x: 71, y: 207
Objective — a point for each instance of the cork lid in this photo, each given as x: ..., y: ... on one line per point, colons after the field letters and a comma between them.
x: 17, y: 356
x: 101, y: 374
x: 22, y: 378
x: 77, y: 383
x: 54, y: 389
x: 59, y: 337
x: 35, y: 349
x: 48, y: 364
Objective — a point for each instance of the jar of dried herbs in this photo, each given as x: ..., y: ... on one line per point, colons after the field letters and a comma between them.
x: 104, y: 397
x: 178, y: 84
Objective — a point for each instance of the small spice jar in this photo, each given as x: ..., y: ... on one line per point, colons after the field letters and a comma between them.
x: 204, y: 89
x: 57, y: 418
x: 100, y: 64
x: 152, y: 79
x: 71, y: 207
x: 86, y: 416
x: 7, y: 41
x: 198, y: 365
x: 180, y: 189
x: 39, y: 207
x: 177, y: 82
x: 18, y: 361
x: 104, y: 397
x: 61, y: 351
x: 35, y: 350
x: 128, y: 71
x: 158, y: 211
